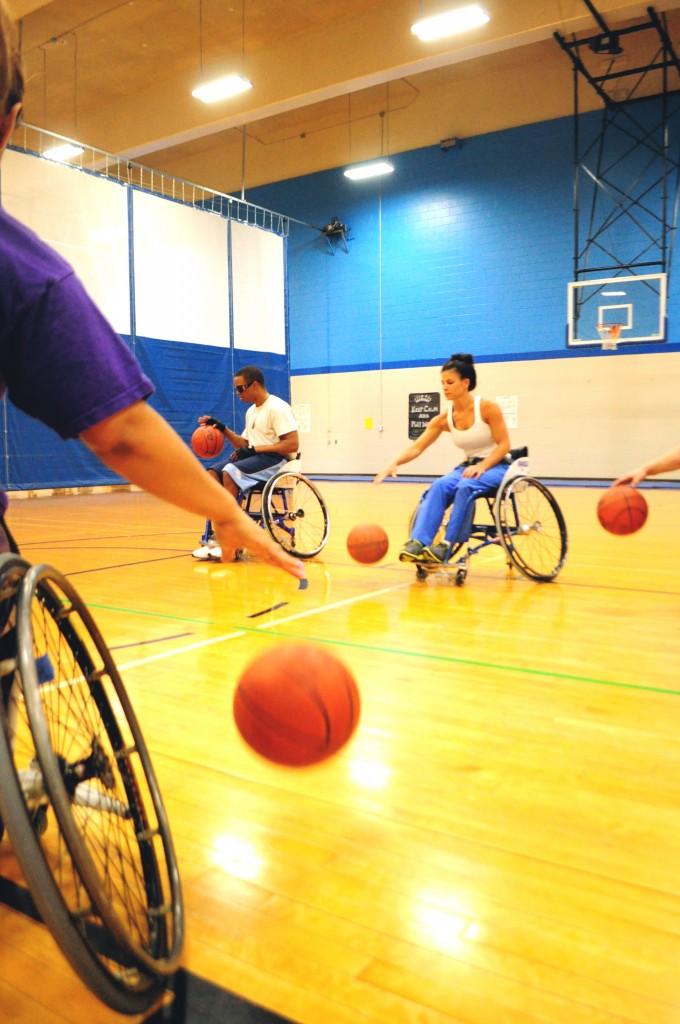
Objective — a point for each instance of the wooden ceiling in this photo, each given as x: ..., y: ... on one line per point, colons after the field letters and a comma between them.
x: 118, y: 75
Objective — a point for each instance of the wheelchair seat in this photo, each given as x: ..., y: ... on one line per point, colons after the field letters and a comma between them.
x: 291, y: 509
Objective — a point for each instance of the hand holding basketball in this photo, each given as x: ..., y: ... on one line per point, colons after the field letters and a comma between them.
x: 296, y: 704
x: 622, y: 510
x: 207, y: 442
x: 367, y: 543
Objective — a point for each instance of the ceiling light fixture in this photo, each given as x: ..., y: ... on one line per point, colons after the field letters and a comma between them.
x: 227, y: 85
x: 376, y: 168
x: 221, y: 88
x: 63, y: 153
x: 372, y: 170
x: 449, y: 23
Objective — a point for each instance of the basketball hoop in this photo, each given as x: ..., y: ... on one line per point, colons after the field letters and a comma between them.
x: 610, y: 334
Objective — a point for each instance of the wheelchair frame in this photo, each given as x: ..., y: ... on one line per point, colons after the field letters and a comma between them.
x: 79, y: 796
x: 509, y: 527
x: 299, y: 500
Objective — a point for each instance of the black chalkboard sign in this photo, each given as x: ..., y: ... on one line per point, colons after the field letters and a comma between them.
x: 422, y: 406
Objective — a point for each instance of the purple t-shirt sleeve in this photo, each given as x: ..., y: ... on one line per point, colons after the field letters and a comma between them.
x: 68, y: 367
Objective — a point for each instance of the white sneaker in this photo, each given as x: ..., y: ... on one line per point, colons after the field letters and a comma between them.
x: 210, y: 552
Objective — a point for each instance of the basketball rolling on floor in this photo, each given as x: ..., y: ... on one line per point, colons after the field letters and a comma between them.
x: 497, y: 842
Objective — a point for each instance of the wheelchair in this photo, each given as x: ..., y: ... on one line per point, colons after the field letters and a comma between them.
x: 79, y: 797
x: 524, y: 519
x: 290, y: 508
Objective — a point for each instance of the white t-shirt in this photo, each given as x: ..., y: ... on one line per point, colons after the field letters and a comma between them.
x: 267, y: 423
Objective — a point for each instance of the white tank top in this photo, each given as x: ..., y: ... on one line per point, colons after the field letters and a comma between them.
x: 478, y: 440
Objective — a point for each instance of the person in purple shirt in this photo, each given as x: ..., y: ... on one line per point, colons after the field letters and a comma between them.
x: 61, y: 362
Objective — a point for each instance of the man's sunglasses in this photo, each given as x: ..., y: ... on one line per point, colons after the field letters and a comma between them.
x: 240, y: 388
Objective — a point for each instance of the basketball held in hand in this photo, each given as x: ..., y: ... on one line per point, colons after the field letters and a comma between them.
x: 296, y: 704
x: 207, y: 442
x: 622, y: 510
x: 367, y: 543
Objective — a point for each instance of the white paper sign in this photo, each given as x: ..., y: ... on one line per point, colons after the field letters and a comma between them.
x: 303, y: 417
x: 509, y: 407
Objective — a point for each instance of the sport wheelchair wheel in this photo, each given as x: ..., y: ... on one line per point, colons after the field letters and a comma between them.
x: 531, y: 528
x: 80, y: 799
x: 295, y: 514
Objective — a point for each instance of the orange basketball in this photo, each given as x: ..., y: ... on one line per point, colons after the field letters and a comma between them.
x: 296, y: 704
x: 367, y: 543
x: 207, y: 441
x: 622, y: 510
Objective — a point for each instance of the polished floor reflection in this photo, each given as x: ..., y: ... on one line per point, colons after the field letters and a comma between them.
x: 499, y: 843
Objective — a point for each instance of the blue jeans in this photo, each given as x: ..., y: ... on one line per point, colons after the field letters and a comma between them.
x: 463, y: 492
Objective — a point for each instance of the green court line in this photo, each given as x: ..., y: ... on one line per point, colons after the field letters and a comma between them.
x: 152, y: 615
x: 567, y: 676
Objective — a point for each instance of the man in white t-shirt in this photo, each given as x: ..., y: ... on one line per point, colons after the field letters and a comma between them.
x: 269, y: 440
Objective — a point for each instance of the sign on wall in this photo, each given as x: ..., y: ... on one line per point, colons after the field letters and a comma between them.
x: 422, y: 406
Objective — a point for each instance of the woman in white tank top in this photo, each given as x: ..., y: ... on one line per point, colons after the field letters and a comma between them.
x: 477, y: 427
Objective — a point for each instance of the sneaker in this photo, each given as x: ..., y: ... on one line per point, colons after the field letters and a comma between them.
x: 209, y: 552
x: 412, y: 551
x: 440, y: 552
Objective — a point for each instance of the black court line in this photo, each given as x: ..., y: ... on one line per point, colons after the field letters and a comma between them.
x: 265, y: 611
x: 158, y: 640
x: 18, y: 898
x: 198, y: 1001
x: 195, y: 1000
x: 125, y: 565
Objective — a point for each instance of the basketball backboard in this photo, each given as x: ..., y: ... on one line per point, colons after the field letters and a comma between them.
x: 637, y: 303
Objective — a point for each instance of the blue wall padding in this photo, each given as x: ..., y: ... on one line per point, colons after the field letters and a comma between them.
x: 477, y: 248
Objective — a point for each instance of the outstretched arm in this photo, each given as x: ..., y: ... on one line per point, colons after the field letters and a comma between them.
x: 428, y: 437
x: 138, y: 444
x: 663, y: 464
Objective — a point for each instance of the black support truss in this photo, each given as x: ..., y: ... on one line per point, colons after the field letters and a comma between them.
x: 627, y: 173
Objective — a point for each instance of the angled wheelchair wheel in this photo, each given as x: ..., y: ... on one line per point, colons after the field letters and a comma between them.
x: 295, y: 514
x: 97, y: 771
x: 53, y: 876
x: 531, y: 528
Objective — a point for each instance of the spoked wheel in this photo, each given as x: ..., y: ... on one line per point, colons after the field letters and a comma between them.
x: 295, y: 514
x: 82, y: 773
x: 53, y: 877
x: 531, y: 527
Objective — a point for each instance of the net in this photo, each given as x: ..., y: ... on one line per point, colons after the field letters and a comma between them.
x: 609, y: 334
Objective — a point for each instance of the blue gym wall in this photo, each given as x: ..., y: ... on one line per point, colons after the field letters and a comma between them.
x: 477, y: 247
x: 467, y: 249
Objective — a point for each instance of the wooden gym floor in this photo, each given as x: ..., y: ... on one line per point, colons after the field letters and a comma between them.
x: 500, y: 843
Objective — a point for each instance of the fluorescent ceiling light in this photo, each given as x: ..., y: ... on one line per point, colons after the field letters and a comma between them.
x: 373, y: 170
x: 449, y: 23
x: 64, y: 152
x: 221, y: 88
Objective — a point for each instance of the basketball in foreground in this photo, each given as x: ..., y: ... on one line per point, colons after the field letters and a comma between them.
x: 206, y: 442
x: 296, y: 704
x: 367, y: 543
x: 622, y: 510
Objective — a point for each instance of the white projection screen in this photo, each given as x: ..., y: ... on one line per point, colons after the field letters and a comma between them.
x: 181, y: 272
x: 80, y: 215
x: 259, y: 292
